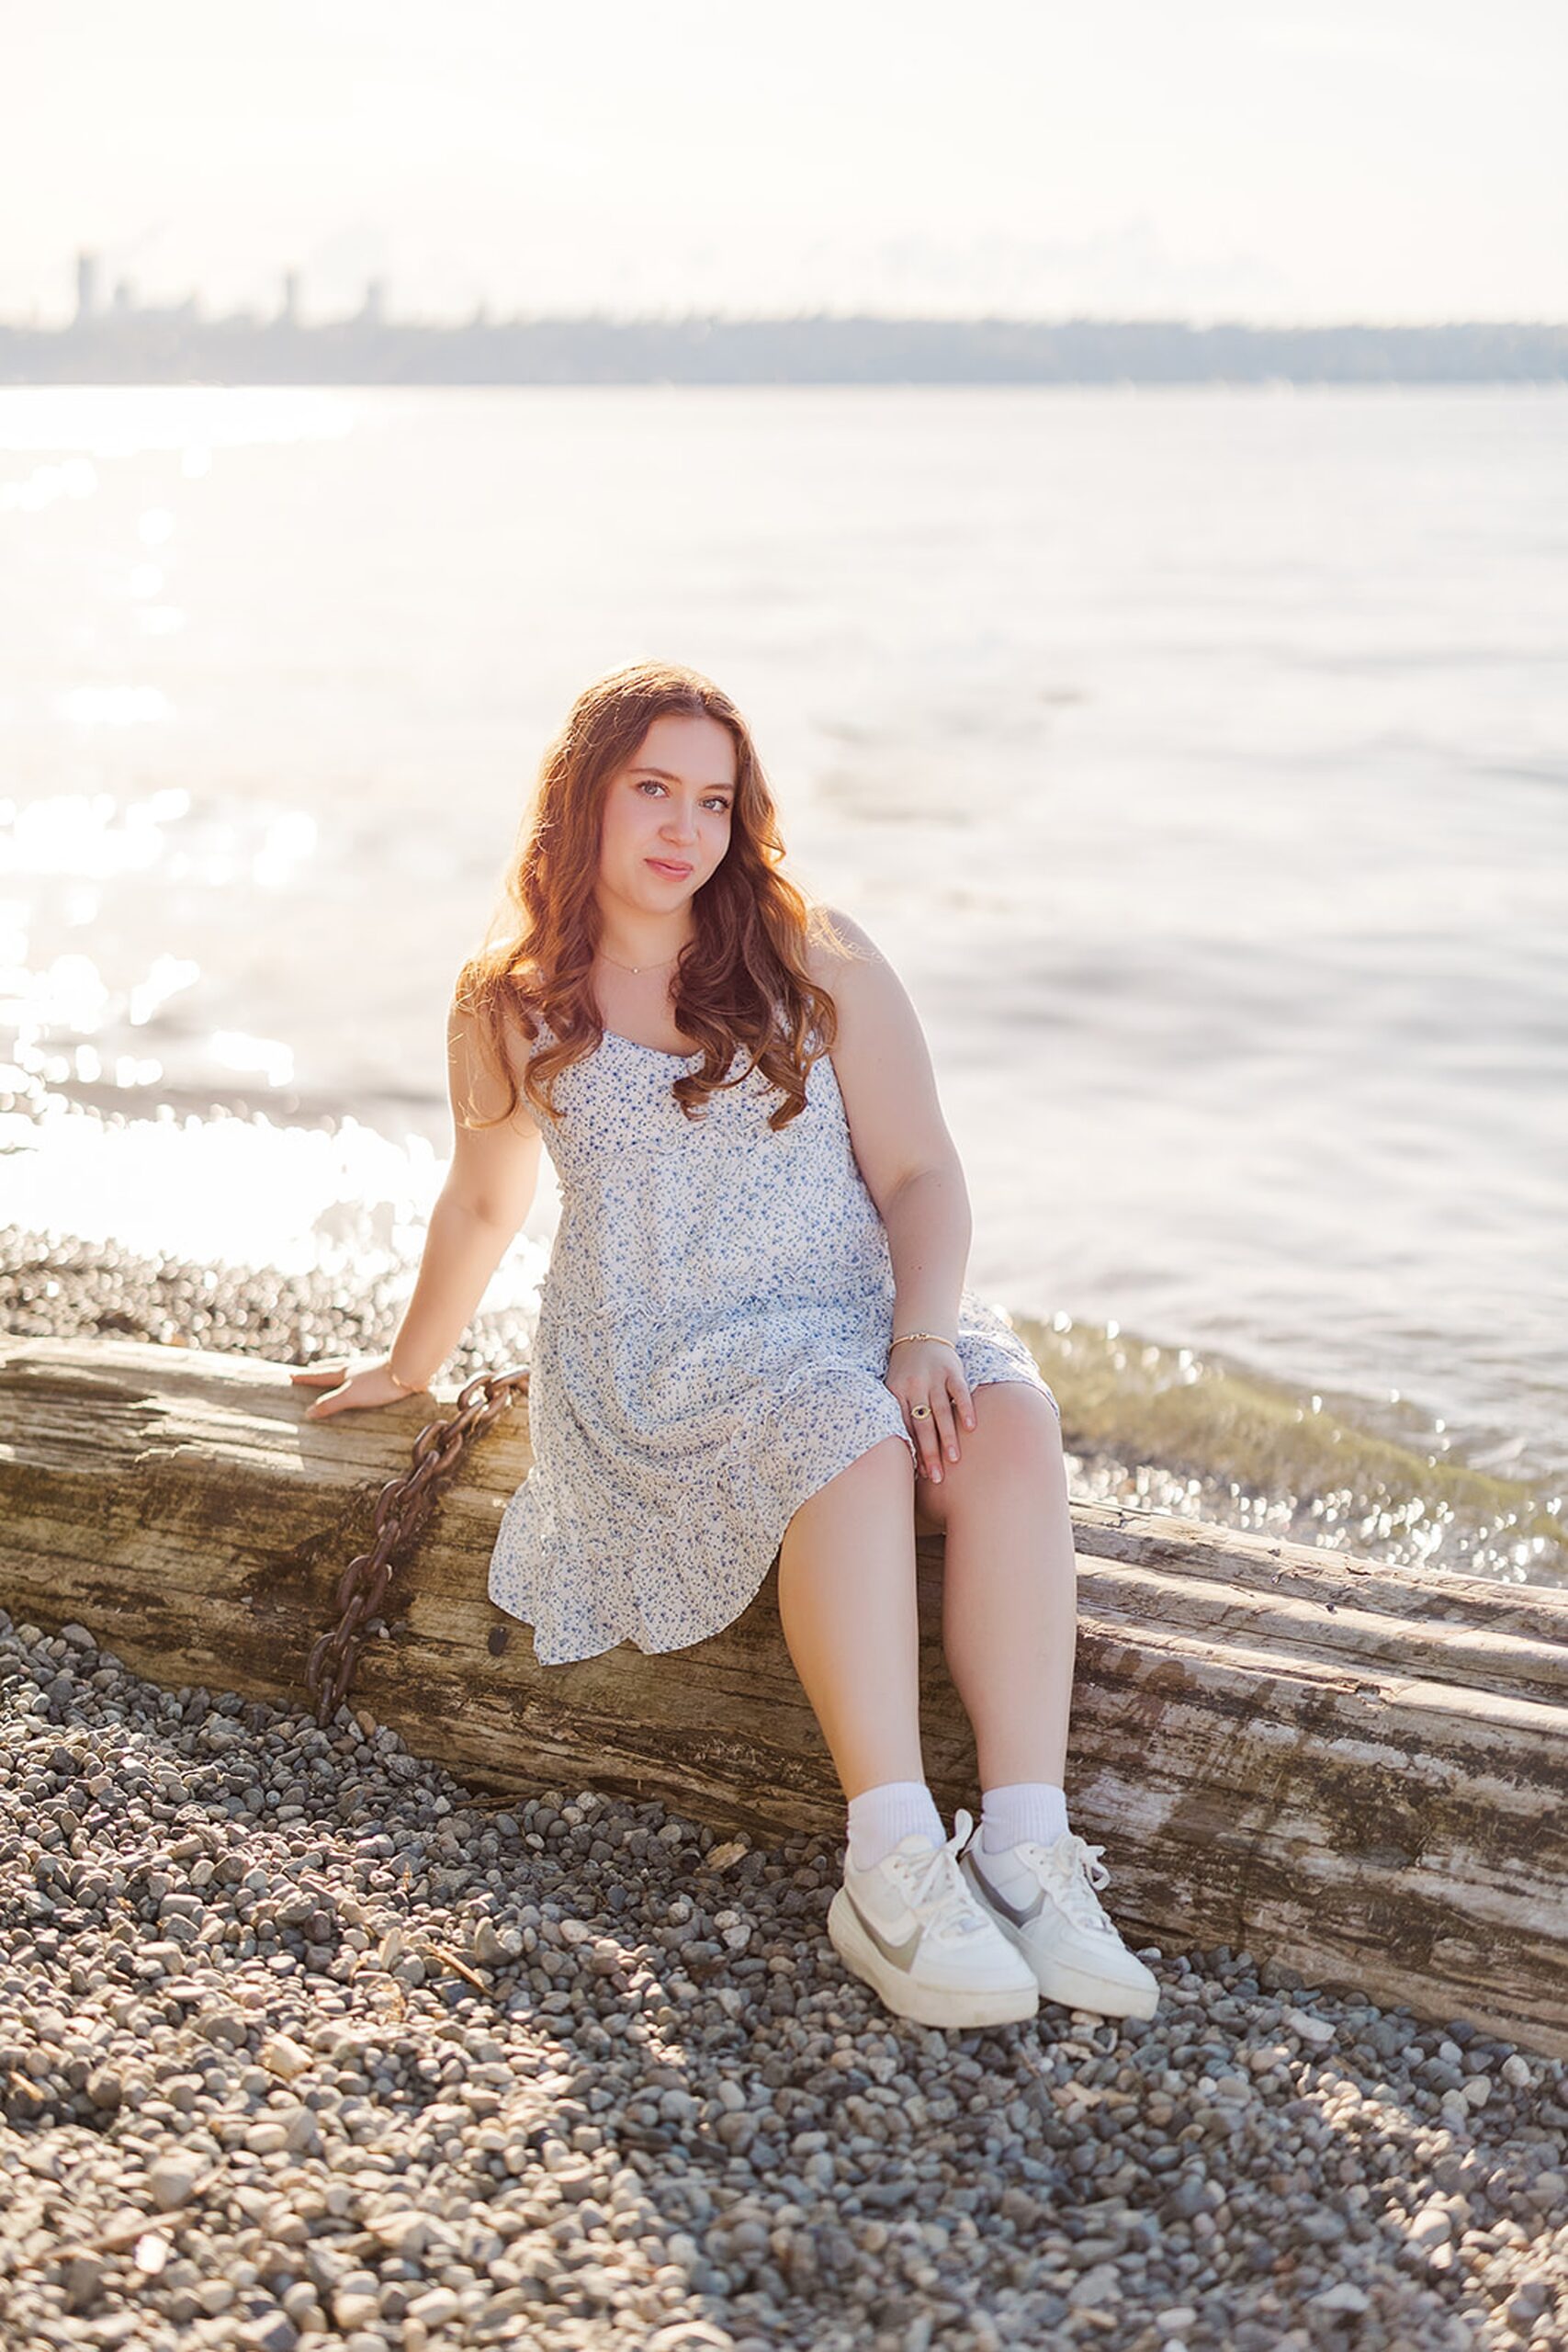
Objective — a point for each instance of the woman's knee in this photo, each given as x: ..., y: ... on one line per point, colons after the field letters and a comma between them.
x: 1016, y: 1437
x: 1016, y: 1428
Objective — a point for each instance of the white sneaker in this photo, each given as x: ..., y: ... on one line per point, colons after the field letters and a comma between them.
x: 913, y: 1931
x: 1043, y: 1899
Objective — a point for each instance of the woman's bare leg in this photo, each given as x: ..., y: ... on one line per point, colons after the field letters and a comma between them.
x: 1010, y: 1594
x: 847, y: 1606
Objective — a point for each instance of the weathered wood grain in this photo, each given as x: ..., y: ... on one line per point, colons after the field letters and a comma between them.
x: 1357, y: 1770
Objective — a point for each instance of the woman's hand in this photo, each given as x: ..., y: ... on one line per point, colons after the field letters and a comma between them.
x: 929, y: 1373
x: 352, y: 1391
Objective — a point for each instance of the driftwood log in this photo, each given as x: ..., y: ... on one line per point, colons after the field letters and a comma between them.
x: 1358, y: 1770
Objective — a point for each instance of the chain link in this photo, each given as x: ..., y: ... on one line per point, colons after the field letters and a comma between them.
x: 402, y: 1507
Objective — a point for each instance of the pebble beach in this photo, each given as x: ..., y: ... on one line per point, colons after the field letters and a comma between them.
x: 302, y: 2038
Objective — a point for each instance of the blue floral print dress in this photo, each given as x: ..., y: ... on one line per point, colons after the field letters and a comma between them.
x: 712, y: 1338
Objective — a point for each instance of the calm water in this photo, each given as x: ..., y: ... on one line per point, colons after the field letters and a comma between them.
x: 1198, y: 756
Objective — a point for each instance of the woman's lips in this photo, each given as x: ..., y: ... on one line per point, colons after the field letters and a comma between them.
x: 669, y: 866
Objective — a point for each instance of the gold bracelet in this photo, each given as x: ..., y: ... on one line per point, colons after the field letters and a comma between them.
x: 920, y: 1335
x: 410, y: 1387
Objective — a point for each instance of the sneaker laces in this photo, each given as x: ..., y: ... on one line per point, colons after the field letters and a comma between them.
x: 1075, y: 1868
x: 933, y: 1885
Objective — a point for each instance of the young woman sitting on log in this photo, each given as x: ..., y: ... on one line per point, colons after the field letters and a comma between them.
x: 755, y: 1338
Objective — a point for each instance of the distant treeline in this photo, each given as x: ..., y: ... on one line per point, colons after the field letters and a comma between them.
x: 176, y: 348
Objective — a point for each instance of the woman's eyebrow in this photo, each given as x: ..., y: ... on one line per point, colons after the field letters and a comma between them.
x: 665, y: 776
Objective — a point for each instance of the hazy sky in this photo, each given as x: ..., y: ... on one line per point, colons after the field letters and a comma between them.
x: 1313, y: 160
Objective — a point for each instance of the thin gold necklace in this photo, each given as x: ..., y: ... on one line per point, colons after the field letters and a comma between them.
x: 641, y: 967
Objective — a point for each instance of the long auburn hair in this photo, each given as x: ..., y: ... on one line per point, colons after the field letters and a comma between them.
x: 741, y: 979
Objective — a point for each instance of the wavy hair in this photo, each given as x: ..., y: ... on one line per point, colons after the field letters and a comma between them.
x: 741, y: 979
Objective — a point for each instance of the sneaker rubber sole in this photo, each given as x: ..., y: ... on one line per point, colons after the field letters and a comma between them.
x: 922, y: 2004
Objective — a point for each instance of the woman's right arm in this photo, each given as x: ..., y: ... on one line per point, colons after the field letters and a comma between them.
x: 488, y: 1192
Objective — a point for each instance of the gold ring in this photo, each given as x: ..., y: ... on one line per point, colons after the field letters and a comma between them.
x: 921, y: 1412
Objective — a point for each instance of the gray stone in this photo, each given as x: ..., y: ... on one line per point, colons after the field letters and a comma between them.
x: 271, y: 2331
x: 172, y: 2180
x: 1344, y: 2295
x: 84, y: 2276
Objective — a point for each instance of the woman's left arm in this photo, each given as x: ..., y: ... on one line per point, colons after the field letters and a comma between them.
x: 912, y: 1173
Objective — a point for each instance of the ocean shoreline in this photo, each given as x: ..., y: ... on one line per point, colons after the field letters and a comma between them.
x: 1148, y: 1427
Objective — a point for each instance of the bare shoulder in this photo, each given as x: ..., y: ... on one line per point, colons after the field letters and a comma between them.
x: 480, y: 1063
x: 876, y: 1018
x: 880, y: 1058
x: 841, y: 953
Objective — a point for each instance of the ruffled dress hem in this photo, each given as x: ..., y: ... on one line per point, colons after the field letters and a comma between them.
x: 749, y: 1581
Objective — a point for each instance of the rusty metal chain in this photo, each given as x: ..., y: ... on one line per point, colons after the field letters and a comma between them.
x: 401, y: 1509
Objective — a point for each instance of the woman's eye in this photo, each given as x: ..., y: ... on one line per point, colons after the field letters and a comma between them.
x: 714, y: 800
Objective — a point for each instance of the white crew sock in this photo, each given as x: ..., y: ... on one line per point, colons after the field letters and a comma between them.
x: 1032, y: 1809
x: 880, y: 1817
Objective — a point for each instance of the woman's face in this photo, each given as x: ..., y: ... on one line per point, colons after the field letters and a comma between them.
x: 667, y: 814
